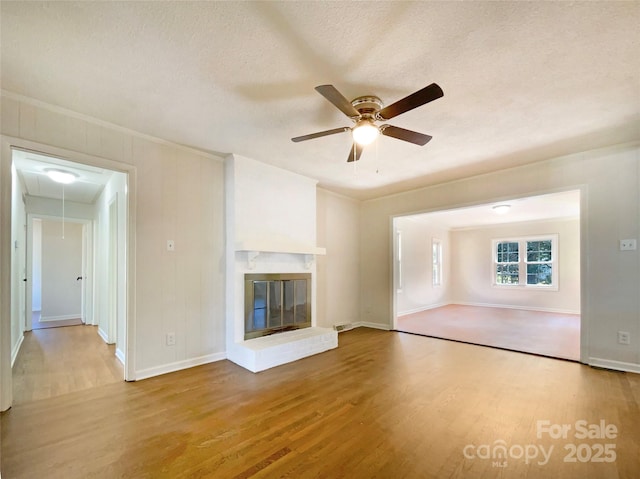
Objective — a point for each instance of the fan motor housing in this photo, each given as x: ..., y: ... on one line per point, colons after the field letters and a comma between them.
x: 367, y: 106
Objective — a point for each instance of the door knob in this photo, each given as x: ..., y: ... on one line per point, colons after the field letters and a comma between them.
x: 77, y: 279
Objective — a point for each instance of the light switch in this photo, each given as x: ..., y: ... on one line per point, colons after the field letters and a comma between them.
x: 628, y: 245
x: 171, y: 246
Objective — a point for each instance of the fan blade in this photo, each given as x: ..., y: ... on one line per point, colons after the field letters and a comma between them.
x: 406, y: 135
x: 419, y: 98
x: 339, y: 101
x: 355, y: 155
x: 320, y: 133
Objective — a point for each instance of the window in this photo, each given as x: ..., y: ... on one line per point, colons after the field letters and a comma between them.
x: 399, y: 258
x: 528, y: 261
x: 507, y: 263
x: 436, y: 261
x: 539, y: 262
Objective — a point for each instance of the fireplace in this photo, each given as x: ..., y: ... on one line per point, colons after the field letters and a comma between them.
x: 274, y: 303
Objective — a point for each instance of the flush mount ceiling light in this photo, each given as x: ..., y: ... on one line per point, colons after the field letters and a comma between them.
x: 365, y: 132
x: 61, y: 176
x: 501, y: 209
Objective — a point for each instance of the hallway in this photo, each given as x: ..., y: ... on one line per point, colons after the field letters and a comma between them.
x: 57, y: 361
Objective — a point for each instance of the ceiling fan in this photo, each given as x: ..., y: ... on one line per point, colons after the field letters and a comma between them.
x: 364, y: 111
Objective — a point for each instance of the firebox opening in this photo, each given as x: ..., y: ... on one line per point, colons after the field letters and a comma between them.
x: 275, y: 303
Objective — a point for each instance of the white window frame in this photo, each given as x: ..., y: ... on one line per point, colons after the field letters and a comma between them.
x: 522, y: 262
x: 436, y: 262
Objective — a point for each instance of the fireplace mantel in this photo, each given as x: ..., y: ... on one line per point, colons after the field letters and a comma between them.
x: 254, y: 249
x: 279, y: 247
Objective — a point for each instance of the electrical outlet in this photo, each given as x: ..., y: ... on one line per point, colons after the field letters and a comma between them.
x: 624, y: 337
x: 628, y: 245
x: 171, y: 339
x: 171, y: 246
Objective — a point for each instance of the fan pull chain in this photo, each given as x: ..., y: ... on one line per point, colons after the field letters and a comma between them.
x: 355, y: 166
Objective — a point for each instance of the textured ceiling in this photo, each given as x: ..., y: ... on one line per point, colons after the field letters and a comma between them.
x: 553, y: 206
x: 522, y: 81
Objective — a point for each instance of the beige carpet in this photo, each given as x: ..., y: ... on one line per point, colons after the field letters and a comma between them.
x: 548, y: 334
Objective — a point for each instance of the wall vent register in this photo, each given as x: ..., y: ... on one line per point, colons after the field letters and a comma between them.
x: 276, y: 303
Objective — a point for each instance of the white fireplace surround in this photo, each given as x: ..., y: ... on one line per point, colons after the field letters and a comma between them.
x: 271, y: 228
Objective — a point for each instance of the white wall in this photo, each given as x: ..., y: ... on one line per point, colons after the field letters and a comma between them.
x: 610, y: 181
x: 113, y: 331
x: 274, y: 208
x: 338, y: 272
x: 473, y: 271
x: 61, y: 265
x: 18, y: 265
x: 36, y: 262
x: 418, y: 292
x: 179, y: 196
x: 50, y: 207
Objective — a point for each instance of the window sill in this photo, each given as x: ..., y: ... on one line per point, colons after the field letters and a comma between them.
x: 525, y: 287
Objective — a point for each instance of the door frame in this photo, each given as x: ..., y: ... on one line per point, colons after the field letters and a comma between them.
x: 112, y: 270
x: 7, y: 145
x: 583, y: 263
x: 87, y: 269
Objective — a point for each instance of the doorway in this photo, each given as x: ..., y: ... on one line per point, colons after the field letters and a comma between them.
x: 505, y: 274
x: 85, y: 213
x: 56, y: 258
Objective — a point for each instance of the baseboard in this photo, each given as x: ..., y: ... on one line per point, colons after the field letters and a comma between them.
x: 16, y: 350
x: 179, y: 365
x: 120, y: 355
x: 422, y: 308
x: 508, y: 306
x: 615, y: 365
x: 63, y: 317
x: 103, y: 335
x: 367, y: 324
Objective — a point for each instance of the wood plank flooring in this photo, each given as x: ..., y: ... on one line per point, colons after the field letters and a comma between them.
x: 57, y: 361
x: 548, y: 334
x: 381, y: 405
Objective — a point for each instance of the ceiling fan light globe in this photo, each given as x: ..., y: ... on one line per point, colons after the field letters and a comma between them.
x: 365, y: 133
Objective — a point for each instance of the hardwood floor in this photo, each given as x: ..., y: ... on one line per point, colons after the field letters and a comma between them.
x: 383, y: 404
x: 548, y: 334
x: 57, y: 361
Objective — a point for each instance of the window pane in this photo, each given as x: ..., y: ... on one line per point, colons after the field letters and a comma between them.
x: 507, y: 274
x: 539, y: 274
x: 539, y: 250
x: 507, y: 252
